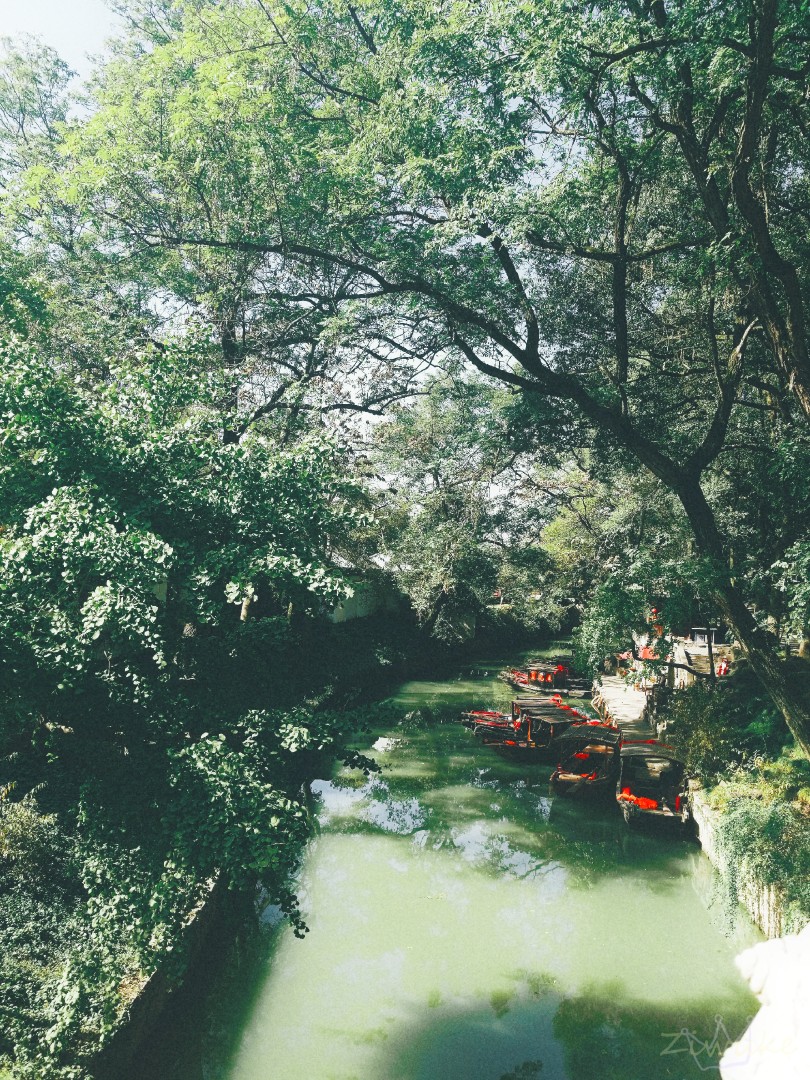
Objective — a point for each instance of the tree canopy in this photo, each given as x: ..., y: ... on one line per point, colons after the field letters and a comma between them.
x: 589, y: 205
x: 504, y: 298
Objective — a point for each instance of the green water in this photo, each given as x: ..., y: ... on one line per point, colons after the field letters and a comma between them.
x: 465, y: 925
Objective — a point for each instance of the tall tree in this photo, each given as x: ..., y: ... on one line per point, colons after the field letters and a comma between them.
x: 450, y: 527
x: 570, y: 200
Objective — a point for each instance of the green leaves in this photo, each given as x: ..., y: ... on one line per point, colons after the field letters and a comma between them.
x: 129, y: 527
x: 108, y: 502
x: 443, y: 534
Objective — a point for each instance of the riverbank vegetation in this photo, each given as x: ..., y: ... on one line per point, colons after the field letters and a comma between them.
x: 757, y: 780
x: 157, y: 729
x: 498, y: 310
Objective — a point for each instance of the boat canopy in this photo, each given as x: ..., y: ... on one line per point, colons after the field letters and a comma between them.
x: 648, y: 748
x: 581, y: 734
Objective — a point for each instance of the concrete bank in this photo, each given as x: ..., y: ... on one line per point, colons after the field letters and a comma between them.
x: 764, y: 903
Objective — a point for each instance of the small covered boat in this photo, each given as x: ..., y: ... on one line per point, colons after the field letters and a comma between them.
x: 587, y: 758
x: 652, y: 782
x: 530, y: 726
x: 540, y: 676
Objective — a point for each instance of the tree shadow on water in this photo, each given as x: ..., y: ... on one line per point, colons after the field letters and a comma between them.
x: 526, y: 1028
x: 601, y: 1032
x: 616, y: 1036
x: 458, y: 783
x: 199, y: 1030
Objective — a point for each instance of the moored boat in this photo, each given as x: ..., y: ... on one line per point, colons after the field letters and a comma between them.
x: 482, y: 721
x: 540, y: 676
x: 652, y: 782
x: 531, y: 725
x: 587, y: 758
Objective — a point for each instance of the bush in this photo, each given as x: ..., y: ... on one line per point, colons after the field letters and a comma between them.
x: 718, y: 729
x: 34, y: 852
x: 511, y: 625
x: 770, y: 841
x: 41, y: 924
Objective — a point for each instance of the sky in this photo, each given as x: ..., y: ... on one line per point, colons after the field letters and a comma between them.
x: 73, y: 27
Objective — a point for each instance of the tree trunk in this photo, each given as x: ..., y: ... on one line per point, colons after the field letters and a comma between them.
x: 230, y: 355
x: 710, y: 645
x: 757, y: 645
x: 435, y: 611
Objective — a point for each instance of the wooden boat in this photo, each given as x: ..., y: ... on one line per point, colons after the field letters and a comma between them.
x: 531, y: 725
x: 587, y: 758
x: 652, y: 782
x: 482, y: 720
x: 538, y: 705
x: 540, y: 676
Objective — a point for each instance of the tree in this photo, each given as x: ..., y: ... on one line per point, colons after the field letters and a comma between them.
x: 128, y: 526
x: 447, y: 526
x: 521, y: 187
x: 147, y: 573
x: 114, y: 288
x: 135, y: 544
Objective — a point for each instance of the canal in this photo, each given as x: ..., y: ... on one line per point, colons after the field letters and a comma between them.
x: 466, y: 925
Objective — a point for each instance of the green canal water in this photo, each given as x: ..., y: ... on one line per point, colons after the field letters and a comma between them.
x: 466, y: 925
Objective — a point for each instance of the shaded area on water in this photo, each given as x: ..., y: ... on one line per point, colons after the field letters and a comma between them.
x: 465, y: 925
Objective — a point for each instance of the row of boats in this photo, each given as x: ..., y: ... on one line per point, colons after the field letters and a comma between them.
x: 588, y: 754
x: 543, y: 675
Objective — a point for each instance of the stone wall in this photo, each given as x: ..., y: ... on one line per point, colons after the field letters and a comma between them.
x: 764, y: 903
x: 148, y: 998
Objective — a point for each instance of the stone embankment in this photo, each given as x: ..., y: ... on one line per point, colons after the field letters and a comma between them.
x: 148, y: 997
x: 764, y: 903
x: 628, y: 707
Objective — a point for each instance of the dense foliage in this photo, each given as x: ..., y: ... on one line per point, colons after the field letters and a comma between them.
x: 151, y: 581
x: 591, y: 206
x: 558, y: 254
x: 727, y: 727
x: 454, y: 528
x: 769, y: 840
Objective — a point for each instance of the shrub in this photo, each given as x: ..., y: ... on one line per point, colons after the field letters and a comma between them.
x: 34, y: 852
x: 718, y: 729
x: 771, y: 842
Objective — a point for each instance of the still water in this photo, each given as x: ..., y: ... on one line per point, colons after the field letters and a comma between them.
x: 465, y: 925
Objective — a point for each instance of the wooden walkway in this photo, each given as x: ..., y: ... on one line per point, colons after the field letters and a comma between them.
x: 624, y: 705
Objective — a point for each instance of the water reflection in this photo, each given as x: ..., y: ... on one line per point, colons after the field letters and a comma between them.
x: 372, y: 803
x: 465, y: 925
